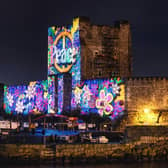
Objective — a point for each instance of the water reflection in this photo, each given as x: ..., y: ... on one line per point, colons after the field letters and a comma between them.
x: 112, y: 165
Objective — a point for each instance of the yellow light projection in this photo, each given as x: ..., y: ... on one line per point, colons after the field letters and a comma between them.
x: 146, y: 116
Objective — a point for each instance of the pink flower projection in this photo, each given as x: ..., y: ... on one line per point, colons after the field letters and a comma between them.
x: 78, y: 92
x: 87, y: 93
x: 103, y: 103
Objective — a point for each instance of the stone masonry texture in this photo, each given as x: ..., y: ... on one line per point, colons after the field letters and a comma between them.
x: 105, y: 50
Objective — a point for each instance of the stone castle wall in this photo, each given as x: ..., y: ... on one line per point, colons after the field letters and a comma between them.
x: 146, y: 99
x: 105, y: 50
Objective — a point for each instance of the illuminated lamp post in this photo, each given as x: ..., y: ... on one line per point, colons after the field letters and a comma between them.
x: 142, y: 116
x: 149, y: 113
x: 149, y: 116
x: 146, y: 110
x: 160, y: 114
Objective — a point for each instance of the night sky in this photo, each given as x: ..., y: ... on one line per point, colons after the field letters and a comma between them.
x: 24, y: 27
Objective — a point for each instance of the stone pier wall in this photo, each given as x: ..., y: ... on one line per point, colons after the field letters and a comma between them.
x: 78, y: 153
x: 136, y: 132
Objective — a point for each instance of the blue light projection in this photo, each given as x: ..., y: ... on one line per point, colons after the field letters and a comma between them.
x: 102, y: 96
x: 60, y: 94
x: 64, y: 56
x: 64, y: 51
x: 51, y: 94
x: 26, y: 99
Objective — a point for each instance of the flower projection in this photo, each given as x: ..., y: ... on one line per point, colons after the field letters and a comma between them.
x: 64, y: 89
x: 118, y: 109
x: 10, y: 99
x: 19, y: 106
x: 116, y: 88
x: 30, y: 92
x: 26, y: 99
x: 87, y: 93
x: 103, y: 103
x: 77, y: 93
x: 102, y: 96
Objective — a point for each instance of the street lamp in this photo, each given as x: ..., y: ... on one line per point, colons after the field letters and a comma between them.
x: 146, y: 110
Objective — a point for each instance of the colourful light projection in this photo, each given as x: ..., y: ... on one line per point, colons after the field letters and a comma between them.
x: 78, y: 95
x: 105, y: 97
x: 64, y: 57
x: 26, y: 99
x: 103, y: 103
x: 60, y: 94
x: 102, y: 96
x: 64, y: 50
x: 51, y: 94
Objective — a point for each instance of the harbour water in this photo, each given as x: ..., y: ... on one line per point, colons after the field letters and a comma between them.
x: 112, y: 165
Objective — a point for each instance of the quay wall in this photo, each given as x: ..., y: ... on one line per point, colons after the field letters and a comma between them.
x: 147, y: 148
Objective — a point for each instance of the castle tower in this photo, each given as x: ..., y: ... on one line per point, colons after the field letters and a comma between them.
x: 105, y: 50
x: 86, y: 51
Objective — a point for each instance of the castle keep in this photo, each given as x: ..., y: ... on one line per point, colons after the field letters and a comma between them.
x: 105, y: 50
x: 90, y: 68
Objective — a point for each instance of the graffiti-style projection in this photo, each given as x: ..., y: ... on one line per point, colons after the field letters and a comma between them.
x: 105, y: 97
x: 26, y: 99
x: 78, y: 97
x: 64, y: 89
x: 64, y: 50
x: 103, y: 103
x: 64, y: 57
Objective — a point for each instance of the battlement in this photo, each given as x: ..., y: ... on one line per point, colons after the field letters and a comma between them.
x: 147, y: 78
x: 150, y: 81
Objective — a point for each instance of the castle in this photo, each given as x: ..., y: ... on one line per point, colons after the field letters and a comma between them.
x: 90, y: 68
